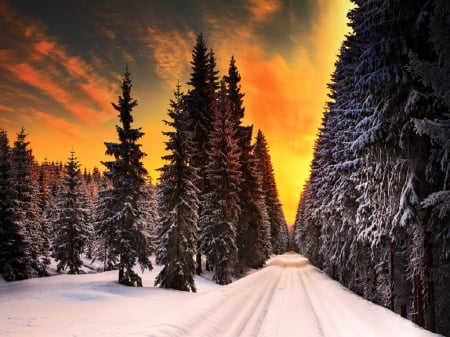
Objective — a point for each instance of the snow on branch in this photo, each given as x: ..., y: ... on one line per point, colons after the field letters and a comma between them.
x: 440, y: 202
x: 438, y: 131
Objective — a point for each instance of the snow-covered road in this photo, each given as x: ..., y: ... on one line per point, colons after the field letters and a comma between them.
x: 288, y: 297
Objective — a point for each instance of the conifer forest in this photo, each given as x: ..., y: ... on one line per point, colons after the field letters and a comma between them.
x: 216, y: 197
x: 373, y: 215
x: 375, y: 212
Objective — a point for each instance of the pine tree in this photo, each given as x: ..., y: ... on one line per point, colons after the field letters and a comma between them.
x: 71, y: 220
x: 369, y: 213
x: 8, y: 226
x: 26, y: 234
x: 253, y: 230
x: 199, y: 102
x: 104, y: 249
x: 178, y: 205
x: 123, y: 221
x: 91, y: 188
x: 278, y: 226
x: 220, y: 204
x: 432, y: 67
x: 43, y: 203
x: 235, y: 95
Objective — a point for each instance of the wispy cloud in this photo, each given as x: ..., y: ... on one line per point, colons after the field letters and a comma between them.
x: 264, y: 10
x: 52, y: 71
x: 171, y: 52
x: 58, y: 124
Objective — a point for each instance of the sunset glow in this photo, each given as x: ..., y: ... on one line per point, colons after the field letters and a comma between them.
x: 61, y: 69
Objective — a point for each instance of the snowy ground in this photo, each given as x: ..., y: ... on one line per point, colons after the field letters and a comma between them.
x: 289, y: 297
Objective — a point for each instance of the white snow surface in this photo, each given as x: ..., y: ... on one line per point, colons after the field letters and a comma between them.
x: 288, y: 297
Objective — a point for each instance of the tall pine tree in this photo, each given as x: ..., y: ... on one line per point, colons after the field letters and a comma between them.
x: 123, y: 221
x: 199, y: 101
x: 375, y: 207
x: 278, y: 226
x: 220, y: 204
x: 178, y: 205
x: 8, y: 227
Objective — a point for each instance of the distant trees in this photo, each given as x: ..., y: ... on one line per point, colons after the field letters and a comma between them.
x: 278, y: 227
x: 376, y: 202
x: 123, y: 220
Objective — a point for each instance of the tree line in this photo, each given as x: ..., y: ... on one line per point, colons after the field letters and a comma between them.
x: 375, y: 212
x: 216, y: 199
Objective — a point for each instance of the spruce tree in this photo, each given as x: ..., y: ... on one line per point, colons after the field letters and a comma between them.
x: 235, y: 95
x: 178, y: 205
x: 278, y: 226
x: 43, y: 205
x: 123, y: 220
x: 104, y: 231
x: 253, y: 230
x: 220, y: 204
x: 71, y: 220
x: 27, y: 236
x: 8, y: 226
x: 375, y: 206
x: 199, y: 103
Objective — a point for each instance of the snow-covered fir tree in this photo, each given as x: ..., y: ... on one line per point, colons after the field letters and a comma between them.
x: 220, y: 204
x: 233, y: 79
x: 178, y: 204
x: 104, y: 232
x: 199, y: 101
x: 371, y: 211
x: 71, y: 221
x: 26, y: 240
x: 253, y: 231
x: 8, y: 227
x: 253, y: 237
x: 278, y: 226
x: 122, y: 221
x: 91, y: 185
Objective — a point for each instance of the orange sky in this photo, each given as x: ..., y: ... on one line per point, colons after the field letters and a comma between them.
x: 58, y: 82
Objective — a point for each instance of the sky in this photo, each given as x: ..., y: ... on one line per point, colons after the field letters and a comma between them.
x: 61, y: 66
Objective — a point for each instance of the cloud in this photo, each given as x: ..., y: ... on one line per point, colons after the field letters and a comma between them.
x: 286, y: 90
x: 284, y: 50
x: 58, y: 124
x: 6, y: 108
x: 52, y: 71
x: 264, y: 10
x: 171, y: 52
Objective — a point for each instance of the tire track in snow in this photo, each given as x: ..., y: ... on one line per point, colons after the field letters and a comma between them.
x: 235, y: 310
x: 340, y: 320
x: 252, y: 315
x: 289, y: 297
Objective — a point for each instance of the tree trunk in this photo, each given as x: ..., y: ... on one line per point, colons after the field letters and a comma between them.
x: 429, y: 304
x: 199, y: 263
x: 391, y: 277
x: 417, y: 300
